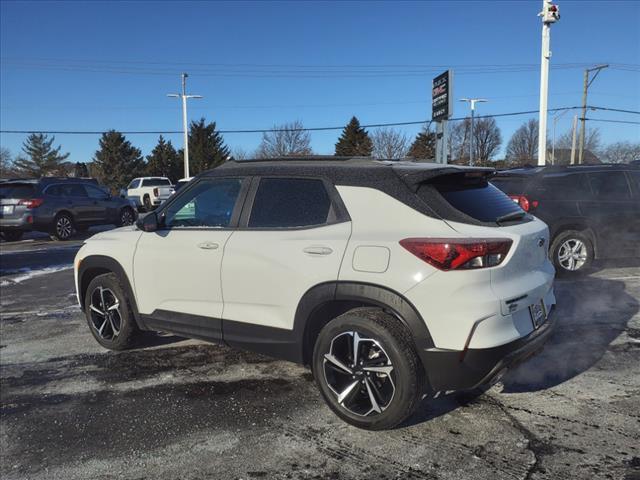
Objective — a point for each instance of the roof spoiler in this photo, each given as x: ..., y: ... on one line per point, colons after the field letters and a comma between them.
x: 414, y: 177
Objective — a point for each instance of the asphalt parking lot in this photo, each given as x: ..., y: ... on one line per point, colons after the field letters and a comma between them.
x: 184, y: 409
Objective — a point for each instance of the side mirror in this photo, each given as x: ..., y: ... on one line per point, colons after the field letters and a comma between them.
x: 148, y: 223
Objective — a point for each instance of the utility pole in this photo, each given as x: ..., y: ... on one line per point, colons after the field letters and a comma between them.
x: 184, y: 98
x: 573, y: 139
x: 472, y: 103
x: 556, y: 117
x: 550, y: 14
x: 586, y: 85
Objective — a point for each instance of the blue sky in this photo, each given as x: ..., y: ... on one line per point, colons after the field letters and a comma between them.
x: 101, y: 65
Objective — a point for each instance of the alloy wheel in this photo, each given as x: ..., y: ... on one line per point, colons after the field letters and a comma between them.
x: 64, y: 227
x: 572, y: 254
x: 360, y: 373
x: 126, y: 218
x: 106, y: 318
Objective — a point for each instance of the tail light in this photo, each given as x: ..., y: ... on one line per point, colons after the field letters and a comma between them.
x: 31, y: 202
x: 524, y: 202
x: 459, y: 254
x: 155, y: 192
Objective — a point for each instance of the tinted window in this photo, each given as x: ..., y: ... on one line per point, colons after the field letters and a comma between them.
x: 134, y: 183
x: 156, y: 182
x: 53, y: 190
x: 73, y: 190
x: 563, y: 186
x: 509, y: 184
x: 95, y: 192
x: 478, y: 199
x: 16, y: 190
x: 289, y: 202
x: 208, y: 204
x: 609, y: 185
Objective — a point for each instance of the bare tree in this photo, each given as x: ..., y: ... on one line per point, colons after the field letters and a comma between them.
x: 6, y: 164
x: 285, y: 140
x: 486, y: 141
x: 389, y: 143
x: 591, y: 140
x: 239, y: 153
x: 621, y: 152
x: 522, y: 149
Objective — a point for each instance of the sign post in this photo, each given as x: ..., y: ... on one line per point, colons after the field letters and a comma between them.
x: 441, y: 111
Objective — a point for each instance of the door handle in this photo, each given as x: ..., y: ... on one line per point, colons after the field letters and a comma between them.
x: 208, y: 245
x: 317, y: 251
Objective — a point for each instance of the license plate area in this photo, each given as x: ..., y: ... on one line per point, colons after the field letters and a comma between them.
x: 538, y: 313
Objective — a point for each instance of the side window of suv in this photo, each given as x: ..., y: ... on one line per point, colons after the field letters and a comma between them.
x: 210, y: 203
x: 95, y: 192
x: 73, y: 190
x: 610, y: 185
x: 53, y: 190
x: 290, y: 202
x: 563, y: 186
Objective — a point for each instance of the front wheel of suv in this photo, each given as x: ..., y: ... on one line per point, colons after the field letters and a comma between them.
x: 63, y: 227
x: 109, y: 313
x: 127, y: 217
x: 366, y: 367
x: 572, y: 252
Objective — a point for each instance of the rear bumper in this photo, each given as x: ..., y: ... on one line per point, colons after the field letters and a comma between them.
x: 16, y: 224
x: 450, y: 370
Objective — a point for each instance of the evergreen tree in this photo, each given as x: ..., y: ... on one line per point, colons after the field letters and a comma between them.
x: 354, y: 141
x: 41, y: 158
x: 81, y: 170
x: 206, y: 147
x: 424, y: 146
x: 117, y: 161
x: 164, y: 161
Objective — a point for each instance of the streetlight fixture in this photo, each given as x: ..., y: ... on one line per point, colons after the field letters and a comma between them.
x: 184, y: 98
x: 587, y: 84
x: 472, y: 103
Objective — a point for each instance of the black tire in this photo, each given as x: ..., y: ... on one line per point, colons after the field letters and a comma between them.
x: 578, y: 262
x: 118, y: 330
x: 127, y: 217
x: 397, y: 393
x: 147, y: 203
x: 12, y: 235
x: 63, y: 227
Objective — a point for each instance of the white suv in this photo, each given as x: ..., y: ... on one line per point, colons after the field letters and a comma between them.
x: 390, y: 279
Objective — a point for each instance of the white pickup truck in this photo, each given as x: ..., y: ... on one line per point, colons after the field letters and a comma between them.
x: 149, y: 192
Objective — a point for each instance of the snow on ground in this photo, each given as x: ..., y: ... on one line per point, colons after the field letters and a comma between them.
x: 27, y: 273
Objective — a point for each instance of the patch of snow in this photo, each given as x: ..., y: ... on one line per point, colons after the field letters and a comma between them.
x: 28, y: 274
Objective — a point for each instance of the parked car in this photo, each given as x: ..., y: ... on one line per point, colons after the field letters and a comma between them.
x: 391, y: 279
x: 149, y: 192
x: 58, y: 206
x: 593, y: 211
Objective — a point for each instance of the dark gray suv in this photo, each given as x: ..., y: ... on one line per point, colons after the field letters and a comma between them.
x: 58, y: 206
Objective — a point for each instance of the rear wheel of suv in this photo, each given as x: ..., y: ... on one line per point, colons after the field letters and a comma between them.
x: 572, y: 252
x: 12, y: 236
x: 147, y: 203
x: 63, y: 227
x: 109, y: 313
x: 366, y: 367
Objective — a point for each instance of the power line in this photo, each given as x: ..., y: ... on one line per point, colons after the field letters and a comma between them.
x: 308, y: 129
x: 611, y: 121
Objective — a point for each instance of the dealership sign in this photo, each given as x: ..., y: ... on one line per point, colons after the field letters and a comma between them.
x: 441, y: 97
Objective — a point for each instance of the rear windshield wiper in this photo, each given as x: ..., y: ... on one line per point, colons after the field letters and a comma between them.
x: 510, y: 216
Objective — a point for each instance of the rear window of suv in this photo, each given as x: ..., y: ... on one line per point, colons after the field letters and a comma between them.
x: 475, y: 197
x: 289, y: 203
x: 155, y: 182
x: 17, y: 190
x: 509, y: 184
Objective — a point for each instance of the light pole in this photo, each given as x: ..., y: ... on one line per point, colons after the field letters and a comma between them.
x: 472, y: 103
x: 587, y: 84
x: 550, y: 14
x: 184, y: 98
x: 556, y: 117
